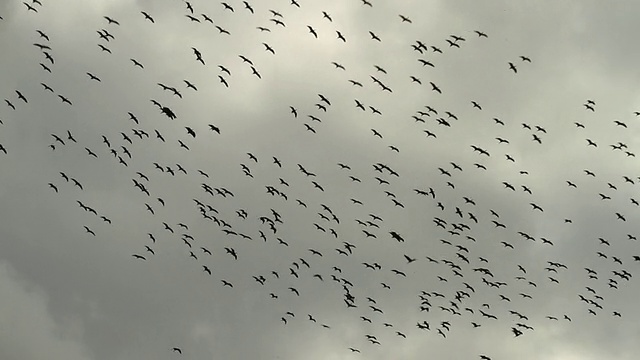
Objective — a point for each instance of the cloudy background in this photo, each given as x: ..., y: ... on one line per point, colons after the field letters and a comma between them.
x: 66, y: 294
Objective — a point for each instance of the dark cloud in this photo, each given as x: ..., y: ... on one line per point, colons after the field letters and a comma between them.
x: 70, y: 294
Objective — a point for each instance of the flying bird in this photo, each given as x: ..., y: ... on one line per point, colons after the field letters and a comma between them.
x: 110, y: 20
x: 64, y: 100
x: 312, y: 31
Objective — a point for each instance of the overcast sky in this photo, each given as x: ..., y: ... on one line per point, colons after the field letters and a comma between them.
x: 144, y: 155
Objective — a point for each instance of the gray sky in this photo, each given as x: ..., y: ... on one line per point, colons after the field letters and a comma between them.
x: 72, y: 289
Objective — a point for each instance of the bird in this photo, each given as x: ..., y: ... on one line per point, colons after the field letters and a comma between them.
x: 227, y: 6
x: 190, y: 85
x: 89, y: 231
x: 29, y: 7
x: 278, y: 22
x: 231, y: 252
x: 93, y: 77
x: 222, y: 30
x: 45, y: 68
x: 46, y: 87
x: 65, y: 100
x: 312, y: 31
x: 248, y: 6
x: 255, y: 72
x: 404, y: 19
x: 50, y: 58
x: 147, y: 16
x: 110, y: 20
x: 21, y: 97
x: 268, y: 48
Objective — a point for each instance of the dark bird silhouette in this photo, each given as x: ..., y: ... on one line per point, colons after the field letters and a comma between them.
x: 248, y: 6
x: 278, y: 22
x: 255, y: 72
x: 222, y: 30
x: 324, y: 99
x: 64, y: 100
x: 50, y: 58
x: 223, y: 81
x: 227, y: 6
x: 231, y: 252
x: 190, y: 85
x: 269, y: 48
x: 46, y: 87
x: 147, y: 16
x: 404, y: 19
x: 29, y: 7
x: 312, y: 31
x: 104, y: 48
x: 93, y: 77
x: 110, y: 20
x: 21, y: 97
x: 89, y: 231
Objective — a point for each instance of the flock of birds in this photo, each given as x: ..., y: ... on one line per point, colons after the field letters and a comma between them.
x: 466, y: 261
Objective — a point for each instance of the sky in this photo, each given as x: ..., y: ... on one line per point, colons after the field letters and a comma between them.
x: 251, y: 190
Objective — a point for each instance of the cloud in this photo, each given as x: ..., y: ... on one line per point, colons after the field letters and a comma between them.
x: 71, y: 293
x: 29, y: 330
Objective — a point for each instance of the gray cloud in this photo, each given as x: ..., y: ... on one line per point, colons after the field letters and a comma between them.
x: 69, y: 294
